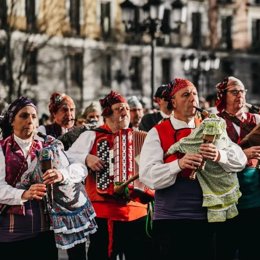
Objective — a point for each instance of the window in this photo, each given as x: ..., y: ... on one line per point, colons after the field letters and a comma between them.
x: 166, y: 70
x: 106, y: 71
x: 74, y: 13
x: 166, y: 27
x: 135, y: 71
x: 76, y: 68
x: 255, y: 67
x: 105, y: 20
x: 3, y: 14
x: 226, y: 29
x: 225, y: 1
x: 31, y: 66
x: 227, y: 67
x: 196, y: 30
x: 30, y: 15
x: 256, y: 34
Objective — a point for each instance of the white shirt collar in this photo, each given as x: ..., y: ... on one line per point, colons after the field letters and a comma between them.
x: 178, y: 124
x: 164, y: 115
x: 24, y: 144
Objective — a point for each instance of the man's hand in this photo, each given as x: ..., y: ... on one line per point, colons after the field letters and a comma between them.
x: 190, y: 161
x: 209, y: 151
x: 252, y: 152
x: 94, y: 163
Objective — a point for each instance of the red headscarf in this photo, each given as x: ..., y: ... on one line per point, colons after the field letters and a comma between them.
x: 178, y: 84
x: 57, y: 100
x: 111, y: 99
x: 222, y: 87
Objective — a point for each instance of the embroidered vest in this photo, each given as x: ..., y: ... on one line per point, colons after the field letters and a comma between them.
x: 249, y: 178
x: 250, y: 121
x: 14, y: 159
x: 20, y: 222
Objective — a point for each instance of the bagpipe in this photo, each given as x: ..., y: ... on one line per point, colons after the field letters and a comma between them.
x: 120, y: 177
x: 207, y: 138
x: 68, y: 206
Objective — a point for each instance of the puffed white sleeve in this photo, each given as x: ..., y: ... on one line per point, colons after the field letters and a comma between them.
x: 153, y: 172
x: 8, y: 194
x: 77, y: 154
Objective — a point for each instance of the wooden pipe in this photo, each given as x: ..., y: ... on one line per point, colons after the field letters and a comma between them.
x: 119, y: 189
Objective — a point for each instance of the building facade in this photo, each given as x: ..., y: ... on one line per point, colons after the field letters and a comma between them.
x: 81, y: 47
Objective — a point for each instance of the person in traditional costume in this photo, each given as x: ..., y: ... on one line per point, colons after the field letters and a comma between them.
x: 62, y: 110
x: 91, y: 119
x: 24, y: 228
x: 136, y: 112
x: 231, y: 104
x: 182, y: 225
x: 63, y: 115
x: 164, y: 109
x: 92, y: 115
x: 121, y: 221
x: 34, y: 211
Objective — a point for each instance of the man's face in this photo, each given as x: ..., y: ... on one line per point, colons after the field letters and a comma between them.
x: 93, y: 116
x: 65, y: 116
x: 136, y: 115
x: 120, y: 118
x: 235, y: 98
x: 183, y: 103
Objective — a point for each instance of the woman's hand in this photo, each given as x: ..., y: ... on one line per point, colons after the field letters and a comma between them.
x: 36, y: 191
x: 52, y: 176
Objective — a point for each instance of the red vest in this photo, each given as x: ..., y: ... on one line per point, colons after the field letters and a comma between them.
x: 108, y: 206
x: 250, y: 121
x: 169, y: 136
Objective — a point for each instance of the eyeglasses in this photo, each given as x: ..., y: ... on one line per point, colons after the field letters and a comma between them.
x: 235, y: 92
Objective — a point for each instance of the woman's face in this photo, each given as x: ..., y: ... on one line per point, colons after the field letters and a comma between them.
x: 25, y: 122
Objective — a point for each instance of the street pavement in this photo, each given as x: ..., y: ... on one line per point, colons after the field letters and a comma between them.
x: 63, y: 255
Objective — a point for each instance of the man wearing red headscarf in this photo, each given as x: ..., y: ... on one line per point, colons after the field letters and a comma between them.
x: 121, y: 222
x: 180, y: 226
x: 231, y: 101
x: 62, y: 110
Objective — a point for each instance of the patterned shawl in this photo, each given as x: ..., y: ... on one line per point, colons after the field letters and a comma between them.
x: 220, y: 189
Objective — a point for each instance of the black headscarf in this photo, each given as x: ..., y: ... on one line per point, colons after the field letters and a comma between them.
x: 13, y: 109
